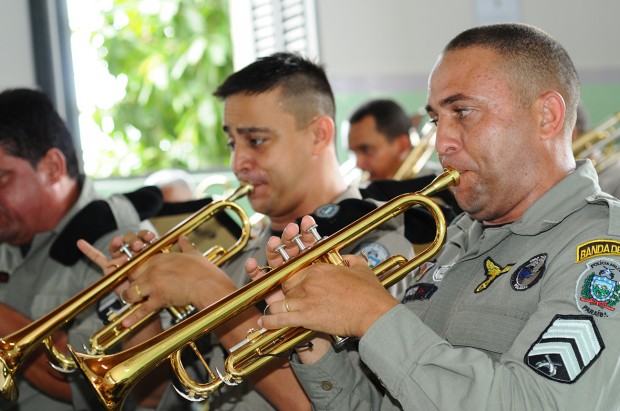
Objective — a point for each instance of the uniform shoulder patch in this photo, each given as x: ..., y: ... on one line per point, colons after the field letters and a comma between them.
x: 375, y: 252
x: 566, y: 349
x: 332, y: 217
x: 598, y: 292
x: 327, y: 210
x: 492, y: 270
x: 597, y: 248
x: 529, y: 273
x: 419, y: 291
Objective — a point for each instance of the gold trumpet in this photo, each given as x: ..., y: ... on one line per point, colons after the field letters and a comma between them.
x: 15, y: 347
x: 113, y: 376
x: 114, y: 332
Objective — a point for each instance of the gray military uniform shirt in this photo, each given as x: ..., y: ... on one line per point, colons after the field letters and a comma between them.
x: 37, y: 284
x: 387, y: 240
x: 523, y: 317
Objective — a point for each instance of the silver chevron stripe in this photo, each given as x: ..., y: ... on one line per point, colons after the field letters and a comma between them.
x: 581, y: 331
x: 558, y: 350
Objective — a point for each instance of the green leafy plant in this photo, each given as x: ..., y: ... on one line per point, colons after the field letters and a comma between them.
x: 172, y: 54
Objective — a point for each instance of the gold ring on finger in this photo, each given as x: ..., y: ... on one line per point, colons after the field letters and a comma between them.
x: 138, y: 291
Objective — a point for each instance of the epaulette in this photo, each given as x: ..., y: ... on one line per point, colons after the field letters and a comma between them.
x: 385, y: 190
x: 419, y: 222
x: 192, y: 206
x: 148, y: 201
x: 334, y: 216
x: 97, y: 219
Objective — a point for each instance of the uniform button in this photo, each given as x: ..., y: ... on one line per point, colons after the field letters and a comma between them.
x: 326, y: 385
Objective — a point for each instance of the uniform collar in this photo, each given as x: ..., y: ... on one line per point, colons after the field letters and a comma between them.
x: 565, y: 198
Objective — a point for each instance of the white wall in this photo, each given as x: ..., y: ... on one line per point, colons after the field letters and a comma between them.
x: 393, y: 44
x: 17, y: 68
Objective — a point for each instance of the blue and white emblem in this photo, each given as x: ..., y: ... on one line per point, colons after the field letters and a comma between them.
x: 529, y: 273
x: 375, y: 252
x: 602, y: 287
x: 440, y: 272
x: 597, y: 291
x: 327, y: 210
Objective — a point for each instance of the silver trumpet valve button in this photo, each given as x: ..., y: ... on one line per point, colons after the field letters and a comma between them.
x: 300, y: 244
x: 315, y: 233
x: 126, y: 250
x: 283, y: 252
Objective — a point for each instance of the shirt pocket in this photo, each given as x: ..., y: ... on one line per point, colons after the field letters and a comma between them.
x: 487, y: 328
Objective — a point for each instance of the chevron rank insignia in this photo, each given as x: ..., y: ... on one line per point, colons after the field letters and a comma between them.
x: 566, y: 349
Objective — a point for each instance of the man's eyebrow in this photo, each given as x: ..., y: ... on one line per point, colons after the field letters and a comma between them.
x: 247, y: 130
x: 449, y: 100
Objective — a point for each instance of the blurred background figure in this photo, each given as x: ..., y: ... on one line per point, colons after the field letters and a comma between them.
x: 379, y: 136
x: 583, y: 121
x: 175, y: 184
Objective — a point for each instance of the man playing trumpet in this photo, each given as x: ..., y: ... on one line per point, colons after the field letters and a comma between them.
x: 279, y: 118
x: 518, y: 310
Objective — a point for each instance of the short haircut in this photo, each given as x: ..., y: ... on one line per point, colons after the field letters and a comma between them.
x: 390, y: 117
x: 30, y: 127
x: 532, y: 58
x: 303, y: 84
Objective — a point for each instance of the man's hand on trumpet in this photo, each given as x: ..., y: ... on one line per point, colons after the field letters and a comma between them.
x: 176, y: 279
x: 120, y: 248
x: 165, y: 279
x: 336, y: 300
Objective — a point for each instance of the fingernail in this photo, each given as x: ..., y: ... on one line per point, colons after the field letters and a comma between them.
x: 260, y: 322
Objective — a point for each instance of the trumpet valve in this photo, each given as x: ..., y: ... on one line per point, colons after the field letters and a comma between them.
x: 281, y: 249
x: 300, y: 244
x: 252, y: 335
x: 315, y: 233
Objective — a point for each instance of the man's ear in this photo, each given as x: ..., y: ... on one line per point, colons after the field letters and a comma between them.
x: 53, y: 165
x: 552, y: 113
x: 323, y: 131
x: 404, y: 143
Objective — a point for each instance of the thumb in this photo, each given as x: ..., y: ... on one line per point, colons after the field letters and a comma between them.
x: 187, y: 247
x: 253, y: 270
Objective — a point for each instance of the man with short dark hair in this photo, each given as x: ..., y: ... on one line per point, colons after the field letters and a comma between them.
x: 279, y: 117
x: 379, y: 136
x: 46, y: 205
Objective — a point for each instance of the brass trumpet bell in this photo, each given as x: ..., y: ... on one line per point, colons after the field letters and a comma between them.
x: 15, y: 347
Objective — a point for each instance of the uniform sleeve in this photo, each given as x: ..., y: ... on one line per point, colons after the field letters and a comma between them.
x: 565, y: 357
x: 336, y: 383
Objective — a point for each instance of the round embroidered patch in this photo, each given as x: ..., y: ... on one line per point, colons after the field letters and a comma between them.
x: 327, y: 210
x: 375, y: 252
x: 597, y: 291
x: 529, y: 273
x: 440, y: 272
